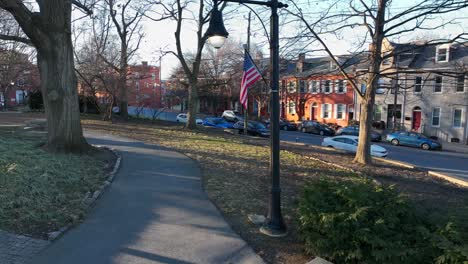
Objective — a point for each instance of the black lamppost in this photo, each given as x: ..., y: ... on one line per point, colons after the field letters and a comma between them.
x: 217, y: 34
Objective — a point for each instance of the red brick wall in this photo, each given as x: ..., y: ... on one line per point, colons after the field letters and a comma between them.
x: 320, y: 98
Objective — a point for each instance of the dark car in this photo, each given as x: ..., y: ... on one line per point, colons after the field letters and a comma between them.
x: 354, y: 131
x: 217, y: 122
x: 254, y: 128
x: 316, y: 128
x: 284, y: 125
x: 413, y: 139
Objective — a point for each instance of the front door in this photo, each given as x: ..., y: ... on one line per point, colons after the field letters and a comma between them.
x: 416, y: 120
x: 313, y: 112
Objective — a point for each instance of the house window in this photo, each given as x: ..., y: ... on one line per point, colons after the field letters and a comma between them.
x: 438, y: 84
x: 340, y: 111
x: 436, y: 117
x: 153, y: 76
x: 326, y: 111
x: 292, y: 108
x: 313, y: 86
x: 327, y: 86
x: 461, y: 83
x: 442, y: 54
x: 292, y: 87
x: 457, y: 118
x: 340, y: 87
x: 302, y: 86
x: 418, y: 84
x: 377, y: 112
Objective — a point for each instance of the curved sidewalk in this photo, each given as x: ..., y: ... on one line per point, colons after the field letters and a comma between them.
x: 155, y: 211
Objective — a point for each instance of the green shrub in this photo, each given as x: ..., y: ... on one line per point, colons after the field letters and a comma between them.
x: 451, y: 245
x: 361, y: 222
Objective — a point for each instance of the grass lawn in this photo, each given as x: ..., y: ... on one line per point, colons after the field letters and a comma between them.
x: 235, y: 171
x: 41, y: 192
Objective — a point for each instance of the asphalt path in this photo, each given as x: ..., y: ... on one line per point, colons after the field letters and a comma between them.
x: 452, y: 163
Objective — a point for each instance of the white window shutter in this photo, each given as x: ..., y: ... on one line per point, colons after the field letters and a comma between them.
x: 335, y: 111
x: 345, y: 85
x: 337, y: 85
x: 345, y: 111
x: 322, y: 110
x: 319, y: 86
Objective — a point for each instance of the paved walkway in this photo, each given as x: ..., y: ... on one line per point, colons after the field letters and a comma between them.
x: 154, y: 212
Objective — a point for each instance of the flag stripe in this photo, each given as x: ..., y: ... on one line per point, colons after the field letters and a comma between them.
x: 249, y: 76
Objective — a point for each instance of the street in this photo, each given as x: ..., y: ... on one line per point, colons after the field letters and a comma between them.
x: 441, y: 161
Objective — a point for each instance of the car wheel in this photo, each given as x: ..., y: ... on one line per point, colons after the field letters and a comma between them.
x: 285, y: 128
x: 395, y: 142
x: 303, y: 130
x: 330, y: 146
x: 321, y: 133
x: 425, y: 146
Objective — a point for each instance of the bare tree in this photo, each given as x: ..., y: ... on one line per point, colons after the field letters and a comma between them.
x: 47, y: 27
x: 126, y: 17
x: 180, y: 12
x: 381, y: 19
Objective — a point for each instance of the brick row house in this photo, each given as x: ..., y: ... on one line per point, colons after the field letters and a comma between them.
x: 316, y: 90
x: 145, y: 89
x: 18, y: 77
x: 431, y: 85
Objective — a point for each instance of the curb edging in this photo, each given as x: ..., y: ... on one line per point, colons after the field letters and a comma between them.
x: 90, y: 199
x: 443, y: 176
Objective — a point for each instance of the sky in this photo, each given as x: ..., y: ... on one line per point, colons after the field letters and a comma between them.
x: 160, y: 35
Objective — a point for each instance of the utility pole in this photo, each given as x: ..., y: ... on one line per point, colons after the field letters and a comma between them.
x: 247, y: 50
x: 395, y: 90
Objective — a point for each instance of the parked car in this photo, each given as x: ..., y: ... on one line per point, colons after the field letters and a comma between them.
x: 254, y: 128
x: 316, y: 128
x: 284, y: 125
x: 231, y: 115
x: 350, y: 143
x: 182, y: 118
x: 354, y: 131
x: 413, y: 139
x: 217, y: 122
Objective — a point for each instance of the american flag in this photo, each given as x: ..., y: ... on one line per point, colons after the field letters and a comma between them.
x: 249, y: 77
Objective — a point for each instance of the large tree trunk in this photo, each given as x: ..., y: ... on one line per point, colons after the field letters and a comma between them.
x: 58, y: 85
x: 363, y: 151
x: 367, y: 105
x: 192, y: 104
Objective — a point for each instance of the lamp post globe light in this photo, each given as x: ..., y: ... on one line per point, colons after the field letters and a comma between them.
x: 217, y: 34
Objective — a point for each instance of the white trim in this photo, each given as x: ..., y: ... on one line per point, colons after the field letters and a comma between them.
x: 447, y: 53
x: 432, y: 118
x: 343, y: 113
x: 330, y: 115
x: 441, y: 84
x: 330, y: 87
x: 465, y: 86
x: 421, y: 85
x: 461, y: 118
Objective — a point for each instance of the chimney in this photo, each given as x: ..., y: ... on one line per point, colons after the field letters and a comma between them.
x: 144, y: 63
x: 300, y: 62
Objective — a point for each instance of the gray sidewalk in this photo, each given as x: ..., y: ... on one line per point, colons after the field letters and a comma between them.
x: 154, y: 212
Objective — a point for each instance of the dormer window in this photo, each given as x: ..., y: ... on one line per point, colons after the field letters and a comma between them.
x: 333, y: 66
x: 442, y: 53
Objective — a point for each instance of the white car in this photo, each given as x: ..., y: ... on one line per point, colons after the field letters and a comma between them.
x: 182, y: 118
x: 350, y: 143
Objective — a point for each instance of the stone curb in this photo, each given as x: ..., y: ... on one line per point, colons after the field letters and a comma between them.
x: 394, y: 162
x: 91, y: 199
x: 452, y: 179
x: 449, y: 178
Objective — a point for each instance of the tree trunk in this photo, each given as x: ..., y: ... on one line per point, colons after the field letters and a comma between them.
x: 123, y: 81
x: 363, y: 151
x: 365, y: 123
x: 59, y: 87
x: 192, y: 104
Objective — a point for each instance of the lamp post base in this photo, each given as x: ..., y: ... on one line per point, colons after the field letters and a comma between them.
x: 273, y: 231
